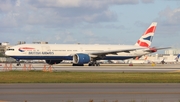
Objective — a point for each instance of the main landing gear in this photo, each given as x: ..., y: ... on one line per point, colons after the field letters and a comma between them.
x: 94, y: 63
x: 78, y: 65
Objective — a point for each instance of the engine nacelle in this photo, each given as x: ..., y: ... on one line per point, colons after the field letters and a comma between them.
x: 81, y: 58
x: 51, y: 62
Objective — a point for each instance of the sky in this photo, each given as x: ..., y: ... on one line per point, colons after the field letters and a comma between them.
x: 89, y: 21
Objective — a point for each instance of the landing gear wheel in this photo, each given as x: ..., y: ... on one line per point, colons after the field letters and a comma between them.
x: 90, y: 64
x: 78, y: 65
x: 18, y: 63
x: 97, y: 64
x: 94, y: 63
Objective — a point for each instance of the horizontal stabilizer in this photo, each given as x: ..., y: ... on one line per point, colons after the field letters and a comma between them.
x: 154, y: 49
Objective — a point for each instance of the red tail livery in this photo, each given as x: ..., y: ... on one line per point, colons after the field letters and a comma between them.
x: 146, y: 38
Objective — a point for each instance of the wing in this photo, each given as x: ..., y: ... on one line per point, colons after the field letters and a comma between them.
x: 103, y: 53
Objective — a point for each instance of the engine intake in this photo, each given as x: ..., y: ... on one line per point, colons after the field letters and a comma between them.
x: 81, y: 58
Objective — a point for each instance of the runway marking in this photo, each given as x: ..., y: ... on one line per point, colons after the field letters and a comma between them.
x: 45, y: 93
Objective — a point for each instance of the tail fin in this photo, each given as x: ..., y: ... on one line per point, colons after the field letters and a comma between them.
x: 146, y: 38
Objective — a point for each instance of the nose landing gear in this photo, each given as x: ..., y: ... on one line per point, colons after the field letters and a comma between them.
x: 18, y: 62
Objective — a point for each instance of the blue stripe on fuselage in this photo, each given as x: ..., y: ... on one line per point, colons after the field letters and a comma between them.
x: 68, y: 57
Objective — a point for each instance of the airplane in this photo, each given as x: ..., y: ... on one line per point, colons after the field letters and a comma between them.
x: 175, y: 60
x: 163, y: 61
x: 81, y: 54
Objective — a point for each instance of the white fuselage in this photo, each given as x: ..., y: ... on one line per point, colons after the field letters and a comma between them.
x: 66, y: 51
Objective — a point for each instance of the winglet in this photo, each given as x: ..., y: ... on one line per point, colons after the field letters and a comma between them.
x: 146, y: 39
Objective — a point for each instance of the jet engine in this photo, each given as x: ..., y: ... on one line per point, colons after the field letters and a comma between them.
x: 51, y: 62
x: 81, y: 58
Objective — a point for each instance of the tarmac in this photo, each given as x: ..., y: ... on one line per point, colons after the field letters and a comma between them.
x: 102, y: 68
x: 90, y: 92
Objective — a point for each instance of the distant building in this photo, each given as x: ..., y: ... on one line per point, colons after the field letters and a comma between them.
x: 172, y: 51
x: 21, y: 42
x: 36, y: 42
x: 42, y: 42
x: 3, y: 46
x: 2, y: 49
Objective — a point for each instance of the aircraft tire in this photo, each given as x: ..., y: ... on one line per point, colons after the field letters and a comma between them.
x: 97, y: 64
x: 78, y: 65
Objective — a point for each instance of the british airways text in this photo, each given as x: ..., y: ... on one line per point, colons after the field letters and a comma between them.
x: 39, y: 53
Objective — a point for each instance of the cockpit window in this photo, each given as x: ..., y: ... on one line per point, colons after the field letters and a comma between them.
x: 10, y: 49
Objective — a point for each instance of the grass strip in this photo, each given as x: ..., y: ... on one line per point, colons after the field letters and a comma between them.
x: 87, y: 77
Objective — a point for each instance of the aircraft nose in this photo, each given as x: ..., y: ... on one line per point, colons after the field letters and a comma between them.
x: 7, y: 53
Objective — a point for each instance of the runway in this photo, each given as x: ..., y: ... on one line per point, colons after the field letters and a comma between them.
x: 89, y: 92
x: 102, y: 68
